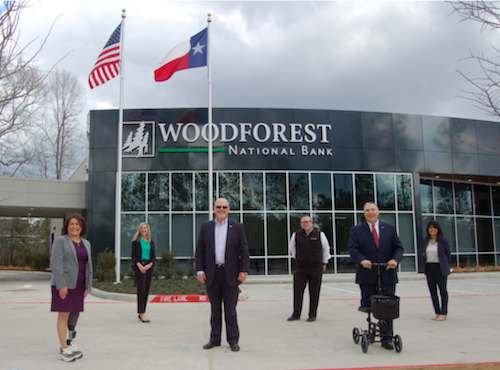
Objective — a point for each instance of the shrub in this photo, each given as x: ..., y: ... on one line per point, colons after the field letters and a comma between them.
x: 166, y: 262
x: 41, y: 261
x: 105, y: 270
x: 180, y: 272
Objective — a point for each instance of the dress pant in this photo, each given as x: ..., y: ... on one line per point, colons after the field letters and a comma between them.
x: 366, y: 291
x: 219, y: 292
x: 143, y: 285
x: 436, y: 279
x: 301, y: 276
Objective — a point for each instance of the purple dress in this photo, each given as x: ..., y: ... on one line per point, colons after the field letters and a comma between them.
x: 74, y: 299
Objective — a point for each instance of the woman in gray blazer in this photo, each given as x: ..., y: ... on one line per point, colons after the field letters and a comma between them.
x: 71, y: 280
x: 437, y: 254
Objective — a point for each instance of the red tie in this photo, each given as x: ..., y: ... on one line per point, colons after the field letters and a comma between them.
x: 375, y: 235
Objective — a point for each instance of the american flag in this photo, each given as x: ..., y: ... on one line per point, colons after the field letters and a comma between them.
x: 108, y: 62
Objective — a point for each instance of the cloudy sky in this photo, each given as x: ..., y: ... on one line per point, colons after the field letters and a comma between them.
x: 395, y: 56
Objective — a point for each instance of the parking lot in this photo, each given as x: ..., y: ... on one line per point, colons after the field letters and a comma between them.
x: 111, y: 337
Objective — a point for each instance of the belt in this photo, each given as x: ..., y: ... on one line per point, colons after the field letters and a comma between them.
x: 220, y: 265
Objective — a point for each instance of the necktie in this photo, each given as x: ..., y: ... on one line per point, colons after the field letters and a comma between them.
x: 375, y: 235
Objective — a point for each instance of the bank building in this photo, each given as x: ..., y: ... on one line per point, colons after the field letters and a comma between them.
x: 275, y: 165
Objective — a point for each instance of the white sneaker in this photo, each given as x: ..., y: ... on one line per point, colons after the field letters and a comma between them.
x: 66, y: 355
x: 78, y: 354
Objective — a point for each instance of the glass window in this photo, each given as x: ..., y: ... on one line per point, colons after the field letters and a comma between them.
x: 130, y: 224
x: 321, y: 191
x: 159, y: 225
x: 448, y: 227
x: 495, y: 192
x: 406, y: 234
x: 385, y: 192
x: 466, y: 235
x: 443, y: 197
x: 345, y: 265
x: 467, y: 260
x: 201, y: 191
x: 200, y: 218
x: 343, y: 224
x: 323, y: 222
x: 133, y: 192
x: 254, y: 231
x: 405, y: 198
x: 390, y: 218
x: 487, y: 260
x: 463, y: 198
x: 364, y: 190
x: 158, y: 188
x: 182, y: 192
x: 484, y: 227
x: 276, y: 191
x: 408, y: 264
x: 253, y: 192
x: 497, y: 234
x: 482, y: 200
x: 257, y: 266
x: 229, y: 188
x: 182, y: 235
x: 278, y: 266
x: 277, y: 235
x: 426, y: 196
x: 295, y: 222
x: 343, y: 191
x: 299, y: 191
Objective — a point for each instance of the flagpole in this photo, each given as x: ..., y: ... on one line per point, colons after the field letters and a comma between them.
x: 118, y: 191
x: 210, y: 150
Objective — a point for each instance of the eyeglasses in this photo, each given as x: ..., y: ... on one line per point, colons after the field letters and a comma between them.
x: 219, y: 207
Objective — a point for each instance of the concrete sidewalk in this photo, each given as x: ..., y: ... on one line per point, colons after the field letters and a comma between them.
x: 111, y: 337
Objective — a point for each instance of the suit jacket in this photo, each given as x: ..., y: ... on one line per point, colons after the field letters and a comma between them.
x: 64, y: 264
x: 137, y: 253
x: 237, y: 255
x: 362, y: 247
x: 444, y: 254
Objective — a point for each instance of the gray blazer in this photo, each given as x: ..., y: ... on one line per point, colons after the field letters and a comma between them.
x: 64, y: 264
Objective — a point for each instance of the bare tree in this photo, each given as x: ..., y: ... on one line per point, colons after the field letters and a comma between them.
x: 62, y: 136
x: 487, y: 88
x: 21, y: 90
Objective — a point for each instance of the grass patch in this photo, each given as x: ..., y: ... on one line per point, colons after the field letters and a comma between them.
x: 191, y: 285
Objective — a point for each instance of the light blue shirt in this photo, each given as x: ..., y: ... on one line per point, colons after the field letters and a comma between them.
x: 220, y: 242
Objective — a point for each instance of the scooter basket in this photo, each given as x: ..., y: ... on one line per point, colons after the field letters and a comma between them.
x: 385, y: 307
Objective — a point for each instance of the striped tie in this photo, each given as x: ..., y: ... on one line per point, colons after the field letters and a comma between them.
x: 375, y: 235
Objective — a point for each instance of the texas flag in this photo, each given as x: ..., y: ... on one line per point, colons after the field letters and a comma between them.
x: 191, y: 53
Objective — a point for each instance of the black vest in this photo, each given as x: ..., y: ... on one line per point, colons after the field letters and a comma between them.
x: 308, y: 249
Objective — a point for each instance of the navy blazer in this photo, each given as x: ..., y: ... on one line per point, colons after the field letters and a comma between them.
x: 137, y: 253
x: 444, y: 255
x: 237, y: 254
x: 362, y: 247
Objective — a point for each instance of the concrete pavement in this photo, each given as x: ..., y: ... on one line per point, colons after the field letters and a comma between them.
x: 111, y: 337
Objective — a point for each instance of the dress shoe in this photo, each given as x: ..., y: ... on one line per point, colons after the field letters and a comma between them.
x: 141, y: 319
x: 441, y: 318
x: 311, y: 319
x: 293, y: 318
x: 235, y: 347
x: 211, y: 345
x: 387, y: 345
x: 365, y: 309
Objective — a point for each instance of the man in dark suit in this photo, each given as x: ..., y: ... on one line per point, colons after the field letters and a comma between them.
x: 375, y: 241
x: 222, y: 263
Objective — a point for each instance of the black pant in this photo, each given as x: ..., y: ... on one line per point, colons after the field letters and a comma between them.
x: 436, y: 279
x: 143, y: 285
x: 219, y: 292
x: 301, y: 276
x: 366, y: 291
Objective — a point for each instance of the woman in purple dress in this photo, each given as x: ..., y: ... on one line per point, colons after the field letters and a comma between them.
x: 71, y: 280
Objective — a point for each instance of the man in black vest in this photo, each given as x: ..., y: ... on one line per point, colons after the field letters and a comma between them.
x: 311, y: 251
